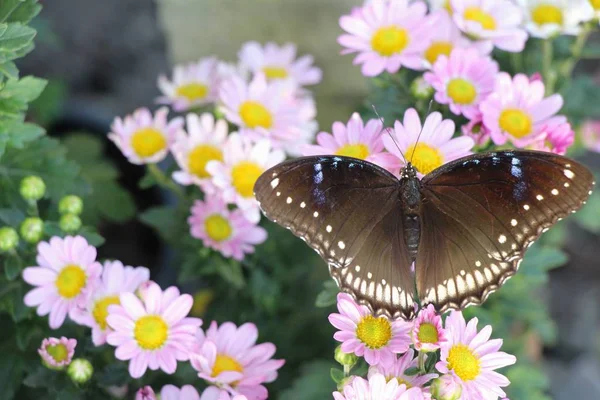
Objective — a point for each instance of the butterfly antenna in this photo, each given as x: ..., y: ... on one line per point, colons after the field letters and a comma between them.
x: 419, y: 137
x: 387, y: 129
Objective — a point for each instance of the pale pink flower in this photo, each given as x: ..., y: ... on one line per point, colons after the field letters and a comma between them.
x: 444, y: 38
x: 472, y: 357
x: 590, y: 132
x: 279, y: 62
x: 145, y: 393
x: 555, y: 138
x: 377, y: 339
x: 476, y: 130
x: 397, y: 368
x: 548, y: 18
x: 57, y: 353
x: 214, y: 393
x: 66, y: 273
x: 153, y: 332
x: 517, y: 110
x: 377, y: 388
x: 193, y: 84
x: 145, y: 138
x: 491, y: 22
x: 354, y: 139
x: 387, y: 35
x: 236, y: 175
x: 428, y: 333
x: 435, y: 147
x: 224, y: 230
x: 187, y: 392
x: 229, y: 357
x: 447, y: 387
x: 463, y: 80
x: 202, y: 141
x: 116, y: 279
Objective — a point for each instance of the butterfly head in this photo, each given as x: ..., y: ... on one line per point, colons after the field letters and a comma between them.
x: 408, y: 171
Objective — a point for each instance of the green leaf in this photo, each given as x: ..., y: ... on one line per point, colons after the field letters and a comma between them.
x: 11, y: 372
x: 22, y: 133
x: 589, y: 216
x: 328, y: 296
x: 12, y: 216
x: 581, y: 99
x: 432, y: 359
x: 92, y: 237
x: 9, y: 70
x: 147, y: 181
x: 337, y: 375
x: 313, y: 382
x: 25, y: 89
x: 15, y: 41
x: 231, y: 271
x: 113, y: 375
x: 543, y: 259
x: 19, y: 10
x: 412, y: 371
x: 13, y: 265
x: 41, y: 378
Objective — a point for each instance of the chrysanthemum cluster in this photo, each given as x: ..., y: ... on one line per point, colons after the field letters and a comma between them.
x: 420, y: 359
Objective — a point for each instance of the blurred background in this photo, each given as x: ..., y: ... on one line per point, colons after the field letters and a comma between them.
x: 103, y: 58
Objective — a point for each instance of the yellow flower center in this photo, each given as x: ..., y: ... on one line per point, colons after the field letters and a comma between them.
x: 100, y: 311
x: 478, y: 15
x: 150, y: 332
x: 374, y: 332
x: 547, y: 14
x: 58, y: 352
x: 200, y: 156
x: 428, y: 333
x: 70, y: 281
x: 515, y: 122
x: 437, y: 49
x: 425, y: 158
x: 225, y: 363
x: 217, y: 227
x: 461, y: 91
x: 353, y: 150
x: 275, y: 72
x: 202, y: 299
x: 390, y: 40
x: 148, y: 141
x: 403, y: 382
x: 244, y: 176
x: 192, y: 91
x: 463, y: 362
x: 255, y: 115
x: 595, y: 4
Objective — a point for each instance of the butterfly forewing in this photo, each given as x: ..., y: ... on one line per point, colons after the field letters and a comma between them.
x: 482, y: 212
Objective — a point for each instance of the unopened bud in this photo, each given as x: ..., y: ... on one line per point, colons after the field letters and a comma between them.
x: 446, y: 387
x: 346, y: 359
x: 32, y: 188
x: 9, y: 239
x: 32, y: 229
x: 70, y: 223
x: 70, y: 205
x: 421, y: 89
x: 80, y: 370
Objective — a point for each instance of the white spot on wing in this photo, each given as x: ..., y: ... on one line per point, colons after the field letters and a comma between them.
x: 357, y: 268
x: 274, y: 183
x: 370, y: 275
x: 526, y: 207
x: 478, y: 263
x: 569, y: 174
x: 328, y: 228
x: 278, y: 194
x: 554, y: 192
x: 289, y: 200
x: 502, y: 239
x: 513, y: 222
x: 341, y: 245
x: 566, y: 184
x: 302, y: 205
x: 316, y: 214
x: 539, y: 197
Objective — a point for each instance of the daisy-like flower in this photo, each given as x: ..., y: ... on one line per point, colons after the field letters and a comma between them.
x: 472, y: 357
x: 387, y: 35
x: 435, y: 147
x: 377, y: 388
x: 428, y: 333
x: 396, y: 370
x: 229, y: 357
x: 193, y: 84
x: 355, y: 139
x: 476, y: 130
x: 57, y: 353
x: 596, y: 6
x: 214, y: 393
x: 187, y: 392
x: 67, y: 270
x: 491, y: 22
x: 279, y: 62
x: 590, y: 132
x: 441, y: 5
x: 377, y: 339
x: 116, y: 279
x: 236, y: 175
x: 555, y: 138
x: 517, y: 109
x: 224, y: 230
x: 463, y: 80
x: 154, y: 332
x: 444, y: 38
x: 548, y: 18
x: 144, y: 138
x: 203, y: 142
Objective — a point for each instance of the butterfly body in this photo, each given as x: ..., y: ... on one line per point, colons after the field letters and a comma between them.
x: 449, y: 239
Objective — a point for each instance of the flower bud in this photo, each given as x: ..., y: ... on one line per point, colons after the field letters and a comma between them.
x: 421, y: 89
x: 9, y: 239
x: 32, y: 188
x: 145, y: 393
x: 70, y: 223
x: 80, y: 370
x: 446, y: 387
x: 346, y: 359
x: 70, y: 205
x: 32, y: 229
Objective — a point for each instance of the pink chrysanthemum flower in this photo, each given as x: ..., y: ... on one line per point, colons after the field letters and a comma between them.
x: 236, y: 175
x: 154, y: 332
x: 355, y: 139
x: 396, y: 370
x: 57, y: 353
x: 463, y: 80
x: 377, y: 388
x: 435, y: 147
x: 555, y: 138
x: 187, y: 392
x: 476, y: 130
x: 387, y: 35
x: 590, y: 132
x: 144, y: 138
x: 214, y: 393
x: 145, y: 393
x: 229, y: 357
x: 377, y: 339
x: 444, y: 38
x: 428, y: 333
x: 224, y: 230
x: 116, y: 279
x: 549, y: 18
x: 517, y: 109
x: 193, y: 84
x: 491, y: 22
x: 67, y: 270
x: 472, y: 357
x: 203, y: 142
x: 279, y: 62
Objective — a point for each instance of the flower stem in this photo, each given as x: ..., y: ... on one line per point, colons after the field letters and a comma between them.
x: 164, y: 181
x: 421, y: 361
x: 547, y: 71
x: 576, y: 52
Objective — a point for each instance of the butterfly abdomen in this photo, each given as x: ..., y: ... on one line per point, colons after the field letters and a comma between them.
x: 410, y: 200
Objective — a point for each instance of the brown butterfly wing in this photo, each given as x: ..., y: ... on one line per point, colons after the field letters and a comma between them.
x: 348, y: 211
x: 480, y: 214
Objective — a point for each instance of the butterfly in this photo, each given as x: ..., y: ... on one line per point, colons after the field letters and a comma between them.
x: 448, y: 239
